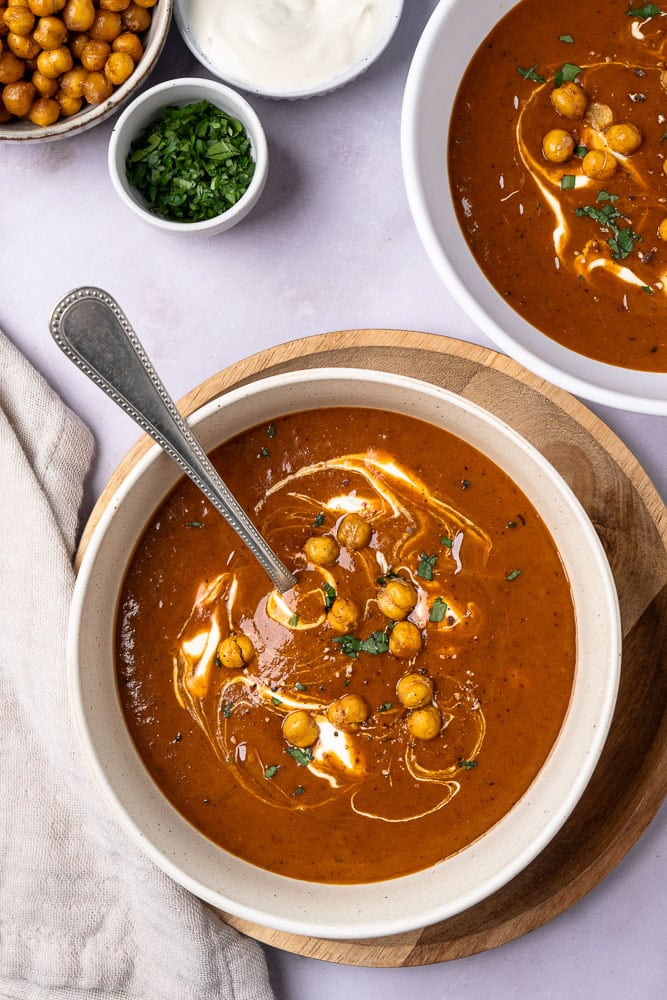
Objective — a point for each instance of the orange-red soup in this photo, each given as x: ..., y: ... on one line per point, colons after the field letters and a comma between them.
x: 399, y: 700
x: 557, y: 168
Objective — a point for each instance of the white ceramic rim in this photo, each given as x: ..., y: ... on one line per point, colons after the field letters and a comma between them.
x: 398, y: 905
x: 317, y: 90
x: 184, y: 90
x: 95, y: 114
x: 642, y: 392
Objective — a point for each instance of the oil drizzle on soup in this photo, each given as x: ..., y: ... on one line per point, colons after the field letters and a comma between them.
x: 557, y: 166
x: 399, y: 700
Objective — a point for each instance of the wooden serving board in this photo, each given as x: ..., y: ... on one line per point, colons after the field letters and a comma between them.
x: 630, y: 781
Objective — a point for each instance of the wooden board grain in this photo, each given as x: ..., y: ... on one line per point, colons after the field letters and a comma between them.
x: 630, y: 781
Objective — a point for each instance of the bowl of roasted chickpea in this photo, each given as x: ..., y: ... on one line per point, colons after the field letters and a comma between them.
x: 287, y: 709
x: 67, y: 65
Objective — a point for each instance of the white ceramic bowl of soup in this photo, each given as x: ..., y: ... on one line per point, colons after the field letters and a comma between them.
x: 392, y: 905
x: 450, y: 39
x: 287, y: 50
x: 152, y: 41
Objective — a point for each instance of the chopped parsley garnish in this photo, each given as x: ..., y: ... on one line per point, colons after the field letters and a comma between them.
x: 300, y: 687
x: 389, y: 575
x: 329, y: 595
x: 272, y: 771
x: 647, y: 289
x: 426, y: 565
x: 580, y: 151
x: 514, y: 574
x: 465, y: 484
x: 351, y: 645
x: 568, y: 39
x: 567, y: 182
x: 385, y: 707
x: 530, y: 74
x: 299, y: 790
x: 446, y: 541
x: 293, y: 620
x: 191, y: 163
x: 302, y: 757
x: 468, y: 764
x: 566, y: 74
x: 271, y: 430
x: 227, y: 709
x: 623, y: 238
x: 194, y: 524
x: 511, y: 524
x: 648, y: 10
x: 438, y: 610
x: 319, y: 520
x: 276, y: 701
x: 264, y: 452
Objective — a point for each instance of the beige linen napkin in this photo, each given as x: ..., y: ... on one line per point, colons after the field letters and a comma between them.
x: 82, y: 913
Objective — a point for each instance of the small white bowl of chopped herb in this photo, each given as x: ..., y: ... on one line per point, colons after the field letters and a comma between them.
x: 189, y: 156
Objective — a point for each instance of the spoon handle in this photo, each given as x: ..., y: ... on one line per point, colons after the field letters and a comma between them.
x: 90, y: 328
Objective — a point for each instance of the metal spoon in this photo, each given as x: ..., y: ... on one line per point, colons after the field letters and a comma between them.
x: 90, y: 328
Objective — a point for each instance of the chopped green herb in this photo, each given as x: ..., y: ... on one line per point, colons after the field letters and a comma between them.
x: 271, y: 430
x: 300, y: 687
x: 606, y: 196
x: 319, y: 520
x: 622, y: 240
x: 264, y: 452
x: 646, y: 11
x: 194, y: 524
x: 468, y: 764
x: 217, y: 661
x: 272, y: 771
x: 329, y: 595
x: 302, y: 757
x: 438, y: 610
x: 389, y: 575
x: 568, y: 39
x: 566, y: 74
x: 567, y: 182
x: 351, y: 645
x: 511, y: 524
x: 580, y: 151
x: 227, y: 709
x: 446, y: 541
x: 293, y: 620
x: 425, y: 567
x: 299, y: 790
x: 276, y: 701
x: 530, y: 74
x: 647, y: 289
x: 465, y: 484
x: 191, y: 163
x: 385, y: 707
x: 514, y: 574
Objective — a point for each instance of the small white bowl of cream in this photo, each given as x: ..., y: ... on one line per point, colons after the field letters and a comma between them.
x: 287, y: 48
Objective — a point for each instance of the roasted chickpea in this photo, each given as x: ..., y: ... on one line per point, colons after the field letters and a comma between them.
x: 44, y: 85
x: 405, y: 640
x: 106, y: 26
x: 42, y: 8
x: 300, y: 729
x: 558, y: 145
x: 397, y: 599
x: 97, y: 88
x: 11, y: 68
x: 569, y: 100
x: 18, y: 97
x: 343, y: 615
x: 68, y: 105
x: 23, y: 46
x: 118, y: 68
x: 145, y: 3
x: 354, y: 532
x: 128, y: 42
x: 77, y: 44
x: 95, y: 55
x: 117, y: 5
x: 55, y: 62
x: 72, y: 82
x: 79, y: 15
x: 624, y: 138
x: 599, y: 164
x: 348, y: 712
x: 236, y: 651
x: 662, y: 229
x: 135, y: 18
x: 322, y: 550
x: 50, y: 32
x: 424, y: 723
x: 414, y: 690
x: 19, y: 20
x: 45, y: 111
